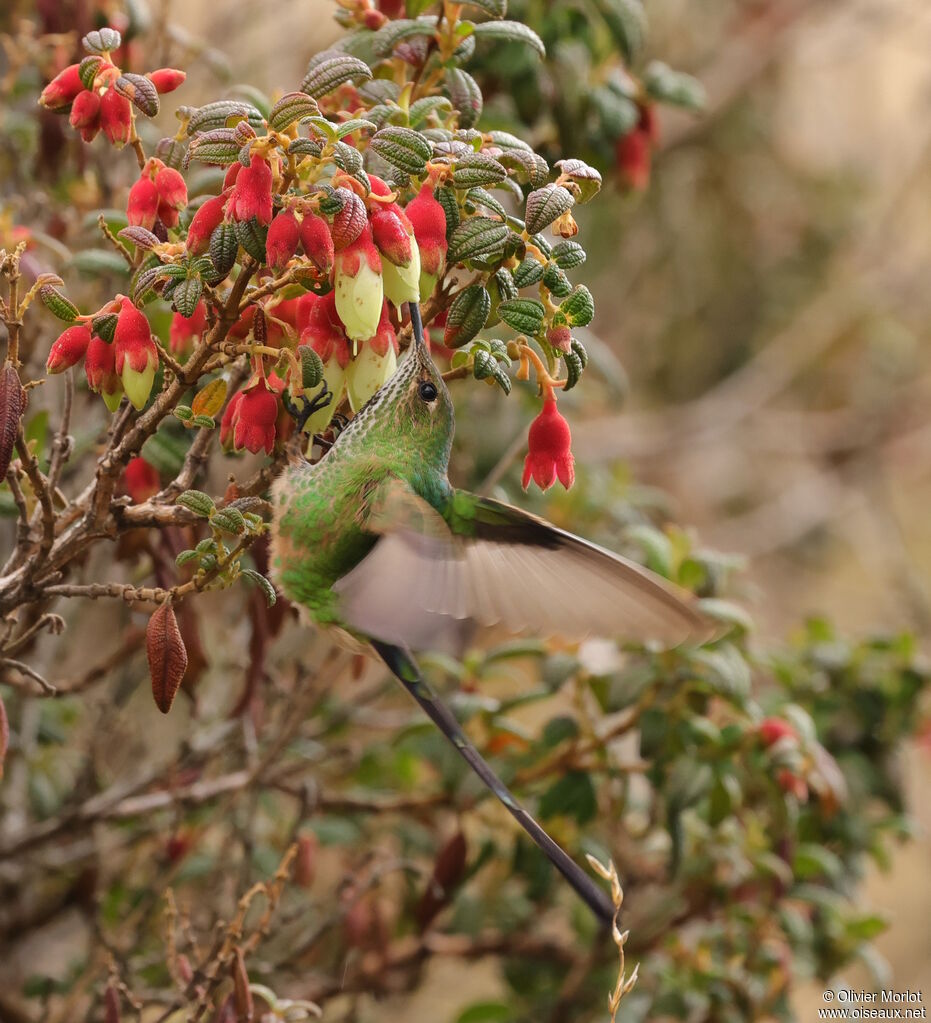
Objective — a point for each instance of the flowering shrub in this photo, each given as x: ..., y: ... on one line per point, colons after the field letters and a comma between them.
x: 265, y: 253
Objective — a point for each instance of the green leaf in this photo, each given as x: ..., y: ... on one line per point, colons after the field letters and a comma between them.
x: 466, y: 96
x: 198, y: 502
x: 57, y: 304
x: 579, y: 307
x: 574, y: 369
x: 223, y: 114
x: 394, y: 32
x: 292, y: 107
x: 556, y: 281
x: 529, y: 272
x: 546, y: 204
x: 423, y: 108
x: 477, y: 169
x: 627, y: 23
x: 99, y: 262
x: 102, y: 40
x: 229, y: 520
x: 311, y: 366
x: 251, y: 236
x: 493, y: 8
x: 675, y: 87
x: 335, y: 69
x: 479, y: 197
x: 568, y: 255
x: 559, y: 729
x: 530, y: 168
x: 511, y: 32
x: 523, y: 314
x: 475, y: 237
x: 224, y: 248
x: 186, y: 296
x: 573, y: 795
x: 403, y: 148
x: 266, y: 587
x: 467, y: 315
x: 812, y: 860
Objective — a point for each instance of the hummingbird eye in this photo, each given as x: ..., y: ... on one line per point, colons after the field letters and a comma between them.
x: 428, y: 390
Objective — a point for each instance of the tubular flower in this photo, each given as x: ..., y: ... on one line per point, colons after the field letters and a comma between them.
x: 376, y: 362
x: 142, y: 206
x: 773, y: 730
x: 549, y: 456
x: 172, y: 193
x: 185, y: 330
x: 394, y: 238
x: 322, y: 331
x: 69, y: 348
x: 62, y: 90
x: 135, y: 354
x: 282, y: 240
x: 253, y: 418
x: 99, y: 365
x: 360, y: 290
x: 166, y: 79
x: 317, y: 240
x: 633, y: 151
x: 428, y: 219
x: 116, y: 118
x: 141, y: 480
x: 252, y: 192
x: 205, y: 221
x: 85, y: 114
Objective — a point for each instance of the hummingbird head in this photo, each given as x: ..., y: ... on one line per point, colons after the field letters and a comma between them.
x: 412, y: 407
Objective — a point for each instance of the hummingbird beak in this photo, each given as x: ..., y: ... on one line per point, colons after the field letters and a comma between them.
x: 420, y: 341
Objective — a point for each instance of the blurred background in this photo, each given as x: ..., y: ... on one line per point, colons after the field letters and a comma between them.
x: 761, y: 333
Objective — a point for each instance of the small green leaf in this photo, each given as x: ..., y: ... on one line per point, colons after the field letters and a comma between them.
x: 568, y: 255
x: 546, y: 204
x: 328, y: 71
x: 511, y: 32
x: 573, y: 795
x: 475, y: 237
x: 529, y: 272
x: 466, y: 96
x: 477, y: 169
x: 403, y: 148
x: 184, y: 412
x: 523, y: 314
x: 57, y: 304
x: 311, y: 366
x: 467, y: 315
x: 292, y: 107
x: 228, y: 520
x: 675, y: 87
x: 198, y: 502
x: 579, y: 307
x: 264, y: 585
x: 186, y: 295
x: 224, y: 248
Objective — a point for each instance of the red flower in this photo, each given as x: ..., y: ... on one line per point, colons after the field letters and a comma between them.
x: 230, y: 413
x: 142, y: 207
x: 185, y: 329
x: 792, y: 784
x: 771, y: 730
x: 428, y: 219
x: 232, y: 173
x: 359, y: 286
x: 166, y: 79
x: 633, y: 152
x: 252, y: 192
x: 85, y: 114
x: 135, y: 353
x: 62, y: 89
x: 282, y: 240
x: 549, y: 456
x: 141, y: 480
x: 253, y: 418
x: 69, y: 348
x: 172, y: 193
x: 321, y: 328
x: 116, y: 117
x: 205, y: 221
x: 317, y: 241
x: 99, y: 365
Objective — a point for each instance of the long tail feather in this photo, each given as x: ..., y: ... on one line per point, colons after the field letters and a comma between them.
x: 404, y: 667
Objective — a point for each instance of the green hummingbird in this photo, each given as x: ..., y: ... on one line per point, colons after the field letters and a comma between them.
x: 374, y: 541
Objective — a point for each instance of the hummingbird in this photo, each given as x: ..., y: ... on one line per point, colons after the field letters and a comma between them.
x: 375, y: 542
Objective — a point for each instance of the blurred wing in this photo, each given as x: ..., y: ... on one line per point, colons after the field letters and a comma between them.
x: 425, y: 584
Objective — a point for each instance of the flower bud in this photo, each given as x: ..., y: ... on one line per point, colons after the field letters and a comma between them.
x: 560, y: 338
x: 253, y: 418
x: 282, y: 240
x: 116, y: 118
x: 99, y: 365
x: 394, y: 238
x: 135, y: 353
x: 69, y: 348
x: 142, y: 206
x: 549, y: 456
x: 166, y: 79
x: 317, y: 241
x: 428, y: 219
x: 141, y: 480
x: 61, y: 91
x: 85, y: 114
x: 205, y: 221
x: 359, y: 287
x: 172, y: 194
x: 252, y: 192
x: 186, y: 330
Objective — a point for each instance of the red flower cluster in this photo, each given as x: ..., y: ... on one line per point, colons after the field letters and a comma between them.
x: 159, y: 194
x: 249, y: 419
x: 126, y: 363
x: 549, y: 456
x: 101, y: 107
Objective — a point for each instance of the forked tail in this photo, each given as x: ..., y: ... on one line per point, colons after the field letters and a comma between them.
x: 403, y: 665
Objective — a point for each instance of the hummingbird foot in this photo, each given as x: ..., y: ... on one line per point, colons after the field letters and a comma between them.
x: 308, y: 406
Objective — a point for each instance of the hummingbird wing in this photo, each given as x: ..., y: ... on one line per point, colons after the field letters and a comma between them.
x: 431, y: 578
